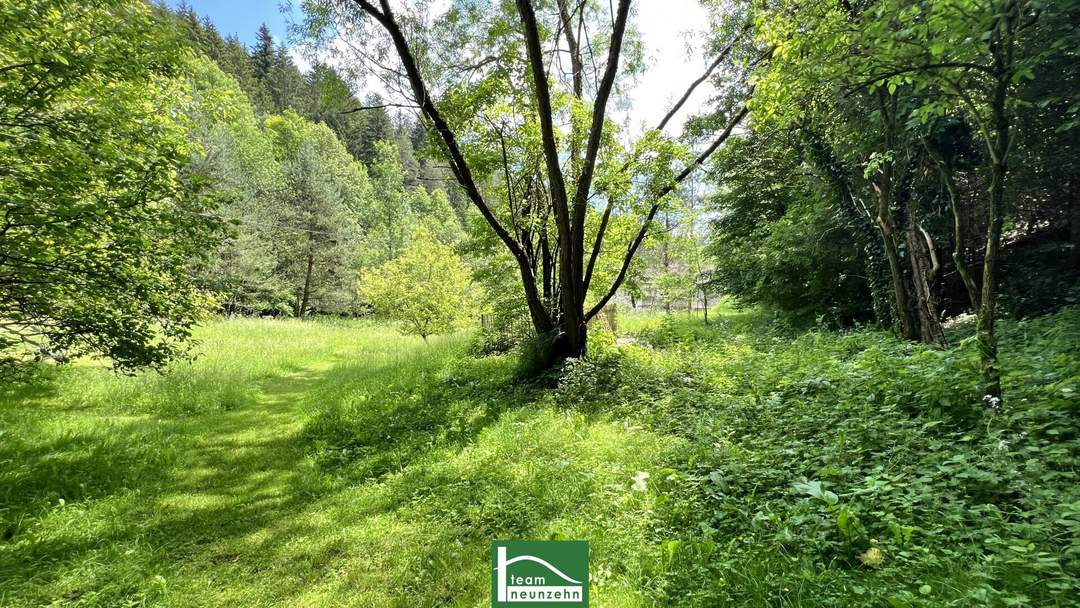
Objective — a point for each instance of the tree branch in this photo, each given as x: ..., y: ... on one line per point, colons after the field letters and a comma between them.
x: 596, y: 133
x: 712, y: 67
x: 381, y: 106
x: 919, y: 68
x: 636, y: 243
x: 459, y: 166
x: 598, y: 242
x: 543, y: 102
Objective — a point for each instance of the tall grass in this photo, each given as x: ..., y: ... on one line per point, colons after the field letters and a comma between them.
x: 339, y: 463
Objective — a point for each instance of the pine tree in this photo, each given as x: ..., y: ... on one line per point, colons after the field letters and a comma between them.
x: 377, y: 127
x: 284, y: 82
x: 262, y: 54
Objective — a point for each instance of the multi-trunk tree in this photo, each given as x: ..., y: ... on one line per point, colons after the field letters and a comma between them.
x: 518, y: 96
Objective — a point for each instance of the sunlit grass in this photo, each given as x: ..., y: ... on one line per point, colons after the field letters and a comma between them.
x: 220, y: 482
x: 340, y: 463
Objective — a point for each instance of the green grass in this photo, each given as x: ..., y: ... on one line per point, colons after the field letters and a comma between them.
x: 342, y: 464
x: 230, y: 481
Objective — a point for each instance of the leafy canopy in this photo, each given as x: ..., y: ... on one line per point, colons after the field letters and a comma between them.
x: 427, y: 288
x: 101, y: 222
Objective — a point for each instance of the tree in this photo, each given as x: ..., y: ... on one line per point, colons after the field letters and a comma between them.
x: 426, y: 289
x: 975, y: 54
x: 240, y: 166
x: 856, y: 141
x: 433, y: 211
x: 332, y: 102
x: 326, y: 194
x: 377, y: 127
x: 263, y: 56
x: 390, y: 225
x: 287, y: 86
x: 495, y: 110
x: 782, y: 237
x: 101, y: 224
x: 911, y: 111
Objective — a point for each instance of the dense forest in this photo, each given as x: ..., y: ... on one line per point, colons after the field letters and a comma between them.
x: 416, y: 273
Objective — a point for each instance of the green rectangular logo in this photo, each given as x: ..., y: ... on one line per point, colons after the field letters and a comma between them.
x: 538, y: 573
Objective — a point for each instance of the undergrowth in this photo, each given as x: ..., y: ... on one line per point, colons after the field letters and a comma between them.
x: 739, y: 463
x: 853, y: 469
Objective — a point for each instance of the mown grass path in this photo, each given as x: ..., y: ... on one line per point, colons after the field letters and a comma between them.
x: 328, y: 464
x: 245, y: 492
x: 191, y: 489
x: 303, y: 465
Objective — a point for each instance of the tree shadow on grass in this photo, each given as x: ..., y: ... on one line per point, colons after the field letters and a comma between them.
x: 78, y: 466
x: 253, y: 506
x: 370, y: 422
x: 33, y: 383
x: 110, y: 502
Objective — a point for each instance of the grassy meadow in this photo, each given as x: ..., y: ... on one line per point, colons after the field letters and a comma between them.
x: 335, y: 463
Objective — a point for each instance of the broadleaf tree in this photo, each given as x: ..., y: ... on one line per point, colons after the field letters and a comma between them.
x: 102, y: 225
x: 532, y: 147
x: 426, y: 289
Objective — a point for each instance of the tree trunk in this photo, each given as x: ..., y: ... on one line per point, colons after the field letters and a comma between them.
x: 569, y: 343
x: 883, y: 187
x: 924, y: 269
x: 611, y: 313
x: 959, y: 234
x: 560, y: 313
x: 305, y: 295
x: 705, y: 298
x: 1001, y: 49
x: 987, y: 341
x: 905, y: 320
x: 546, y: 261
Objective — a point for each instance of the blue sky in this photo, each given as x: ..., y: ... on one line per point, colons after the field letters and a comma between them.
x: 241, y: 17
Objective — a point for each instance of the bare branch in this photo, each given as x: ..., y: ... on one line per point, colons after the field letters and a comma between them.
x: 658, y: 199
x: 381, y: 106
x: 712, y: 67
